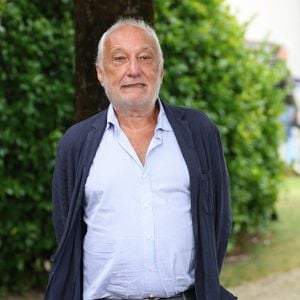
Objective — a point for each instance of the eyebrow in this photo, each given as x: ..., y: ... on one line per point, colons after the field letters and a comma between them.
x: 122, y: 49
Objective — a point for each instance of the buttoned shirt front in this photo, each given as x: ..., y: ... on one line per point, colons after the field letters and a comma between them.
x: 139, y: 239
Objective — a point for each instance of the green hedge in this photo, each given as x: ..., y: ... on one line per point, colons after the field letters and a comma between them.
x: 208, y: 67
x: 36, y: 105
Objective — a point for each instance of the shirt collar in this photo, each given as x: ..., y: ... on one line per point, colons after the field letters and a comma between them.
x: 162, y: 121
x: 111, y: 118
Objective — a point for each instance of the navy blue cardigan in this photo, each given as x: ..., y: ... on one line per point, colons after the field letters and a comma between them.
x: 200, y: 144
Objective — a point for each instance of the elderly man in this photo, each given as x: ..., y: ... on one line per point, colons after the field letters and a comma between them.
x: 141, y: 204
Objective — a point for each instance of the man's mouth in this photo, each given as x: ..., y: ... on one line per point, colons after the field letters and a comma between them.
x: 134, y: 85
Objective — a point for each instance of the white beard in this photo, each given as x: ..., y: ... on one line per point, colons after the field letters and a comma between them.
x: 121, y: 103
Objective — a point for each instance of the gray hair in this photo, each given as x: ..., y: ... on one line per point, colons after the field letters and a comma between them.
x: 128, y: 21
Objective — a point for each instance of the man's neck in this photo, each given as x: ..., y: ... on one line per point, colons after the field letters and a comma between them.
x: 138, y: 120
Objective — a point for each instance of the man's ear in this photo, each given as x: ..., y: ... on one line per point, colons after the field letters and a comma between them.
x: 100, y: 74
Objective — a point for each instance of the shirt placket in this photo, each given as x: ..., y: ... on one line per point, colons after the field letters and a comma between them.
x: 148, y: 230
x: 148, y: 219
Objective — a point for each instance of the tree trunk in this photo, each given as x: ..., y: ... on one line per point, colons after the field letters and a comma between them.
x: 92, y: 18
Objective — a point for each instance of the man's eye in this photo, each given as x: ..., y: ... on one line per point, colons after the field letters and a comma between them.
x: 119, y: 58
x: 145, y: 58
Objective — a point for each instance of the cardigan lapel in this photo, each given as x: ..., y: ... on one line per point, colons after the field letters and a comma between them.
x: 92, y: 142
x: 185, y: 140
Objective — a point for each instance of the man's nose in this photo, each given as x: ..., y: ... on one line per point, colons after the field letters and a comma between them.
x: 133, y: 68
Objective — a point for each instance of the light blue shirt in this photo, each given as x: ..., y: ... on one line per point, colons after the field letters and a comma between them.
x: 139, y: 241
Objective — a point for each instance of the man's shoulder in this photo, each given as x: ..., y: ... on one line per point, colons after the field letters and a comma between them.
x: 193, y: 116
x: 193, y: 113
x: 78, y: 132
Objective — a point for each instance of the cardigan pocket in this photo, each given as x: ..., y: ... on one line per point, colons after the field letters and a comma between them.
x: 206, y: 197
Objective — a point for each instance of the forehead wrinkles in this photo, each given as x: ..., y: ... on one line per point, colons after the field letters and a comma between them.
x: 145, y: 48
x: 129, y: 37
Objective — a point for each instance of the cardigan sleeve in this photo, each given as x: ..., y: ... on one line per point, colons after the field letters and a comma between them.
x: 60, y: 203
x: 68, y: 168
x: 222, y: 201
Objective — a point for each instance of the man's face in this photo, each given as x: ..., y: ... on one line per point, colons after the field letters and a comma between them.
x: 131, y: 73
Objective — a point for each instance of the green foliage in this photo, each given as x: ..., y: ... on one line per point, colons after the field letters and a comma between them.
x: 36, y: 105
x: 208, y: 66
x: 274, y: 251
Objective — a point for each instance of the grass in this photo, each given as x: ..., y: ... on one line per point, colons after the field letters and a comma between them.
x: 276, y: 251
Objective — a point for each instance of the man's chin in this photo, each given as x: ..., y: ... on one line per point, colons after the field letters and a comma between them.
x: 133, y: 104
x: 135, y: 100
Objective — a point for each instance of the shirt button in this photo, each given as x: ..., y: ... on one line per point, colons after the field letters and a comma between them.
x: 150, y: 268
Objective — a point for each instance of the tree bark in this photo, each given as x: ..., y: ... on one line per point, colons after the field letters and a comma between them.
x: 92, y: 18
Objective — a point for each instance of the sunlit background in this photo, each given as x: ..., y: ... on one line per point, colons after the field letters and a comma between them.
x: 276, y: 22
x: 271, y: 270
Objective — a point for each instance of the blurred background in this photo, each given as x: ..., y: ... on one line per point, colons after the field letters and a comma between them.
x: 270, y: 268
x: 238, y: 61
x: 278, y: 22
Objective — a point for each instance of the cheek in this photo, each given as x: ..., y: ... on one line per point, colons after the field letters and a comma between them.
x: 154, y: 76
x: 154, y: 71
x: 116, y: 76
x: 111, y: 80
